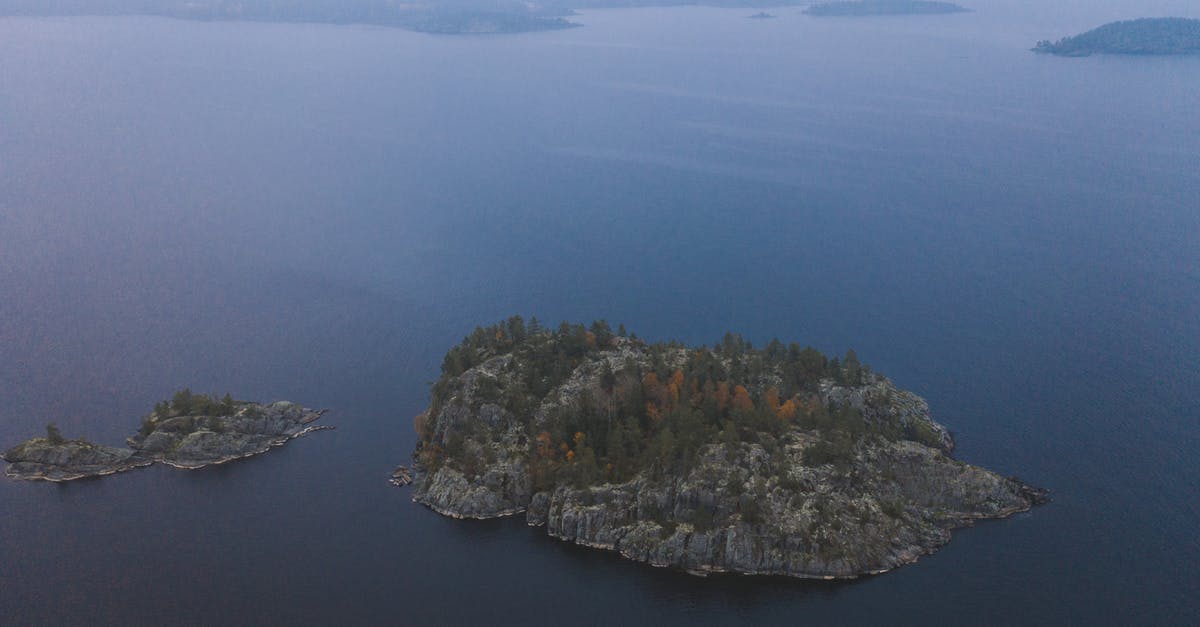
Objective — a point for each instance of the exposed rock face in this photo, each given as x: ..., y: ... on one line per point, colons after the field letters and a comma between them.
x: 739, y: 508
x: 181, y: 441
x: 896, y: 503
x: 501, y: 488
x: 73, y: 459
x: 197, y: 441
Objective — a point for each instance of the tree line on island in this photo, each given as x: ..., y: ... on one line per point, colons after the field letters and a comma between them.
x: 188, y: 430
x: 653, y: 418
x: 184, y: 403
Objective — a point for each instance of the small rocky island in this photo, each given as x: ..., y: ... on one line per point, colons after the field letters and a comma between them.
x: 859, y: 8
x: 769, y: 461
x: 1147, y: 36
x: 189, y: 431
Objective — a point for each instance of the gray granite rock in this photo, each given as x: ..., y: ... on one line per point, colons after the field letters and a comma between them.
x: 180, y: 441
x: 72, y: 459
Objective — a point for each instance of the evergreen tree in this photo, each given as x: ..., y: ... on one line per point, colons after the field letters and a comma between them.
x: 853, y: 368
x: 517, y: 330
x: 181, y: 403
x: 54, y: 435
x: 603, y: 333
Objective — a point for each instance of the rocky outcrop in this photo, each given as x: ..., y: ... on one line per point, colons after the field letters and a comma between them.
x: 180, y: 441
x: 198, y: 441
x: 499, y: 484
x: 401, y: 476
x: 39, y: 458
x: 896, y: 503
x: 740, y: 507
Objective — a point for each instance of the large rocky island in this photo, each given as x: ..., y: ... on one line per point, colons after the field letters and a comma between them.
x: 1146, y: 36
x: 771, y: 461
x: 189, y: 431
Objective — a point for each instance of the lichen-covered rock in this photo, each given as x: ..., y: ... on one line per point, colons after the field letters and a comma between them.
x: 740, y: 505
x: 500, y: 484
x: 198, y: 441
x: 897, y: 502
x: 71, y: 459
x: 191, y: 441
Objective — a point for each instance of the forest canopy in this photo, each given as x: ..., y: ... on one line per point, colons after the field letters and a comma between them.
x: 646, y: 407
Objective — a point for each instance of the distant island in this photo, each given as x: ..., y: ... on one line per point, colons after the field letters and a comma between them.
x: 440, y: 17
x: 761, y: 15
x: 769, y: 461
x: 444, y: 22
x: 189, y: 431
x: 467, y: 17
x: 882, y: 7
x: 1146, y: 36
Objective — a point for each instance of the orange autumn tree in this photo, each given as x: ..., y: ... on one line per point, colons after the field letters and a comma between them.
x: 661, y: 399
x: 642, y: 404
x: 545, y: 445
x: 772, y: 399
x: 741, y: 399
x: 651, y: 388
x: 675, y: 385
x: 787, y: 411
x: 650, y: 385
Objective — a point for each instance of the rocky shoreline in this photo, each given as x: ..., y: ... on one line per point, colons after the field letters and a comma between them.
x: 750, y: 507
x: 187, y: 442
x: 609, y: 518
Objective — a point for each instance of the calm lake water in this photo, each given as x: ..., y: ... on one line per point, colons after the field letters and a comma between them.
x: 317, y: 213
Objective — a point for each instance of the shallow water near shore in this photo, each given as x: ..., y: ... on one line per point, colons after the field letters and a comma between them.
x: 317, y: 213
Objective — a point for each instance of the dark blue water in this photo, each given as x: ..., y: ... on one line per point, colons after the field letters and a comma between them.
x: 317, y: 213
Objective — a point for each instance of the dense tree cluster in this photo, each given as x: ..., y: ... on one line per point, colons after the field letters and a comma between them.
x: 53, y: 435
x: 185, y: 403
x: 650, y: 417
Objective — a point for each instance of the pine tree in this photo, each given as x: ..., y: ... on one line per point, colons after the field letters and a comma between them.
x: 54, y: 435
x: 853, y: 368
